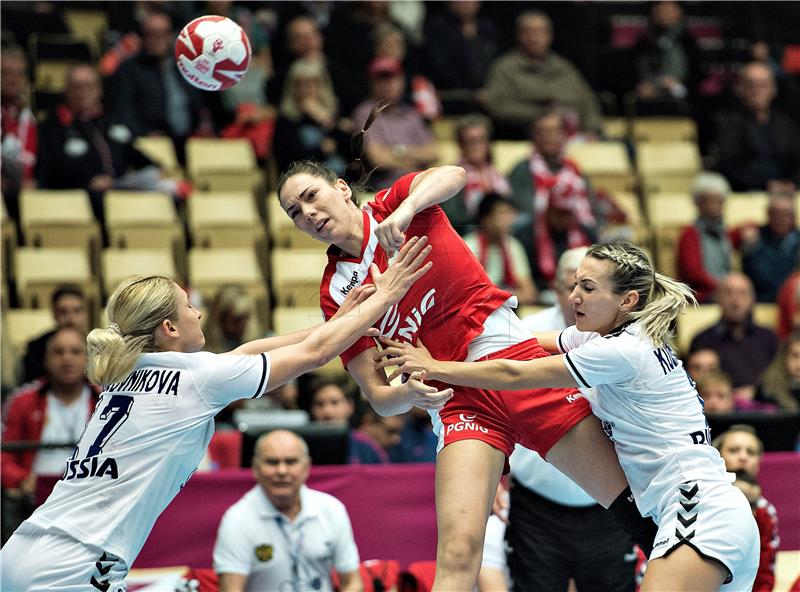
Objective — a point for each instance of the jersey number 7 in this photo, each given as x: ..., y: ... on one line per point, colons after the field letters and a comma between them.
x: 114, y: 414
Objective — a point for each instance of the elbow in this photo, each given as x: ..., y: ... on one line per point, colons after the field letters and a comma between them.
x: 459, y: 176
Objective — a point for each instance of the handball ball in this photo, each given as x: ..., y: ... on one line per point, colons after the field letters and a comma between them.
x: 212, y: 53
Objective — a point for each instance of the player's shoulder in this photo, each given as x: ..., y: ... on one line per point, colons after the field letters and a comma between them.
x: 180, y: 360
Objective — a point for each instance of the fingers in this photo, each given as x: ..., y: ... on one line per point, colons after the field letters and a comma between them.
x: 418, y: 375
x: 435, y: 400
x: 392, y: 343
x: 373, y: 332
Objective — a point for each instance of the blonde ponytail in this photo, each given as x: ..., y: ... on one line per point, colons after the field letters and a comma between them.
x: 661, y: 298
x: 136, y: 309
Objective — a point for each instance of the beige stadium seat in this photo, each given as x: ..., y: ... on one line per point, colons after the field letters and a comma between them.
x: 694, y: 320
x: 118, y: 264
x: 600, y: 158
x: 225, y: 220
x: 296, y: 276
x: 24, y: 324
x: 59, y: 219
x: 664, y: 129
x: 161, y: 150
x: 668, y: 183
x: 508, y: 153
x: 666, y: 249
x: 668, y: 158
x: 670, y: 209
x: 629, y: 203
x: 766, y: 315
x: 288, y: 319
x: 222, y: 165
x: 444, y: 129
x: 50, y: 75
x: 144, y: 220
x: 746, y: 208
x: 282, y: 232
x: 40, y: 271
x: 210, y: 269
x: 449, y: 152
x: 88, y: 25
x: 615, y: 128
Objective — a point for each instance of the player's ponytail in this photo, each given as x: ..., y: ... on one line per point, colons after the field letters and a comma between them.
x: 661, y: 298
x: 357, y: 175
x: 135, y: 310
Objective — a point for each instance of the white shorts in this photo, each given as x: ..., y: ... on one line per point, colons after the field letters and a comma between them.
x: 34, y: 559
x: 714, y: 519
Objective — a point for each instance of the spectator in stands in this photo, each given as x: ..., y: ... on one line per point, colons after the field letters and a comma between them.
x: 148, y: 93
x: 501, y: 255
x: 326, y: 400
x: 771, y: 252
x: 666, y: 57
x: 530, y: 80
x: 308, y: 124
x: 399, y: 140
x: 744, y: 348
x: 375, y: 435
x: 757, y: 144
x: 417, y: 441
x: 704, y: 248
x: 53, y: 409
x: 781, y: 383
x: 18, y: 128
x: 560, y: 315
x: 553, y: 199
x: 716, y: 390
x: 742, y: 450
x: 231, y: 320
x: 789, y: 306
x: 702, y: 362
x: 474, y: 136
x: 282, y: 535
x: 81, y: 148
x: 461, y: 45
x: 69, y: 307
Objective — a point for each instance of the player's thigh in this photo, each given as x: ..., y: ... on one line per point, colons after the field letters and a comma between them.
x: 683, y: 570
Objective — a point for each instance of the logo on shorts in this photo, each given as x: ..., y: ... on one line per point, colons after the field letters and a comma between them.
x: 574, y: 397
x: 264, y: 552
x: 467, y: 423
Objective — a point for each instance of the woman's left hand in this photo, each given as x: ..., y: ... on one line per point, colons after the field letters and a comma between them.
x: 391, y: 232
x: 405, y: 356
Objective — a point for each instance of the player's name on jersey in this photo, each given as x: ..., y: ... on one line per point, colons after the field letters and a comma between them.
x: 162, y: 382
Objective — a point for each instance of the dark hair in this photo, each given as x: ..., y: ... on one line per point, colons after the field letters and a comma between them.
x: 355, y: 170
x: 489, y: 203
x: 60, y: 330
x: 66, y: 290
x: 719, y: 441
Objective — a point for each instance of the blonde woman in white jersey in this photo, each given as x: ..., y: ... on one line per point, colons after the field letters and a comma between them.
x: 618, y: 355
x: 155, y: 419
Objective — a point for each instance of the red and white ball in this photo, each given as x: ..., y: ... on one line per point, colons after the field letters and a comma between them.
x: 212, y: 52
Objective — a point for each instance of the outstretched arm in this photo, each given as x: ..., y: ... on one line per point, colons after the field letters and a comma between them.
x: 548, y: 372
x: 335, y: 336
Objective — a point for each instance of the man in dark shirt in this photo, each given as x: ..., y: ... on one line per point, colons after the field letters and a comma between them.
x: 745, y: 349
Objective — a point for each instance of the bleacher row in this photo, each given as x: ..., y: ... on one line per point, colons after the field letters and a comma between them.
x: 238, y: 234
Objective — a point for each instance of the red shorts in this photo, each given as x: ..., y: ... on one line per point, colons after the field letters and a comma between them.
x: 535, y: 418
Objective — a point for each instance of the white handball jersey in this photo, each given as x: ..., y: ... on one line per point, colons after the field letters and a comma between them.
x: 144, y: 440
x: 649, y: 408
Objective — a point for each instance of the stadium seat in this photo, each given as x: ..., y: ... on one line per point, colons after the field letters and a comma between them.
x: 694, y: 320
x: 601, y: 158
x: 288, y: 319
x: 746, y: 208
x: 50, y: 76
x: 222, y: 165
x: 282, y: 232
x: 161, y: 150
x: 668, y: 183
x: 507, y: 153
x: 59, y: 219
x: 630, y: 204
x: 23, y: 324
x: 296, y: 276
x: 668, y: 158
x: 664, y: 129
x: 666, y: 248
x: 670, y: 209
x: 118, y: 264
x: 144, y: 220
x: 444, y: 129
x: 40, y: 271
x: 210, y: 269
x: 89, y: 25
x: 449, y: 152
x: 615, y: 128
x: 225, y: 220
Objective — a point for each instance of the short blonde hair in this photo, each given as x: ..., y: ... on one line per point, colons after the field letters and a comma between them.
x: 307, y: 68
x: 135, y: 310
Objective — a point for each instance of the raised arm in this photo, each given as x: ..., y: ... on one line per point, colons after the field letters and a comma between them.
x: 335, y: 336
x: 428, y: 188
x: 548, y: 372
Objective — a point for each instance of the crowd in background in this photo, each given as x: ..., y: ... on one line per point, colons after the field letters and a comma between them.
x: 505, y: 70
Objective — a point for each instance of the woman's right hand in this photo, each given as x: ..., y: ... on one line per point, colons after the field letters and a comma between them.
x: 406, y: 269
x: 425, y: 396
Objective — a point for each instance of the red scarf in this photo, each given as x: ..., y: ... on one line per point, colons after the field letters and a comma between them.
x: 19, y: 137
x: 480, y: 181
x: 565, y: 189
x: 509, y: 281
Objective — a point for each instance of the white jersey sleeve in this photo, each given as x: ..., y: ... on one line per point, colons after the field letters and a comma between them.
x: 570, y: 338
x: 598, y: 361
x: 233, y: 552
x: 345, y: 552
x: 223, y: 379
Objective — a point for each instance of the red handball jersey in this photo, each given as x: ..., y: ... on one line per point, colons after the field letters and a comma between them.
x: 446, y: 308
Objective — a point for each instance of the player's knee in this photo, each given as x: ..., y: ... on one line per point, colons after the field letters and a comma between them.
x: 460, y: 552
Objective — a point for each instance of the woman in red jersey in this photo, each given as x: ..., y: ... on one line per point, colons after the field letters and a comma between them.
x: 460, y: 315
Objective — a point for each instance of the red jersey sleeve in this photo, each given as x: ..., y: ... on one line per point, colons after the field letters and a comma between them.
x: 387, y: 200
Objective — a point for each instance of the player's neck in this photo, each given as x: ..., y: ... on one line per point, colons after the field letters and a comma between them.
x: 355, y: 239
